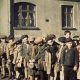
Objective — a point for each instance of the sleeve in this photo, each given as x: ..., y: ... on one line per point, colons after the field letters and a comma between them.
x: 7, y: 51
x: 76, y: 57
x: 41, y: 53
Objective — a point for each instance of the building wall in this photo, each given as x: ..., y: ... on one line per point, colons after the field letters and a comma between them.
x: 45, y: 10
x: 4, y: 17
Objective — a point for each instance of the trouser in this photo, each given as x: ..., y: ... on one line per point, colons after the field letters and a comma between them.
x: 3, y: 67
x: 18, y: 72
x: 25, y: 68
x: 69, y: 73
x: 11, y: 69
x: 32, y: 77
x: 11, y: 66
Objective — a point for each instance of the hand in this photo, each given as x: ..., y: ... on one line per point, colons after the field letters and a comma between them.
x: 30, y: 61
x: 75, y: 68
x: 44, y: 63
x: 33, y: 60
x: 62, y: 68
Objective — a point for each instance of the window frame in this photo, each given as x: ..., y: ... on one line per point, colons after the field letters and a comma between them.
x: 34, y: 13
x: 66, y: 27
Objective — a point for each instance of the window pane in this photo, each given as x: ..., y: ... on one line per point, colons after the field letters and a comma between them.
x: 67, y: 16
x: 24, y: 14
x: 31, y: 7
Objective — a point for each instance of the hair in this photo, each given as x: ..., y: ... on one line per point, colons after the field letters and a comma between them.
x: 67, y: 32
x: 10, y: 37
x: 24, y: 36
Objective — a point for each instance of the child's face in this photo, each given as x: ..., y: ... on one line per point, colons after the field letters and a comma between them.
x: 3, y: 40
x: 10, y: 41
x: 67, y: 35
x: 69, y: 44
x: 24, y: 40
x: 50, y: 42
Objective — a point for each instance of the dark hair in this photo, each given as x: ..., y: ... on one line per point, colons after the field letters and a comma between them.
x: 24, y: 36
x: 50, y: 37
x: 67, y: 32
x: 10, y: 37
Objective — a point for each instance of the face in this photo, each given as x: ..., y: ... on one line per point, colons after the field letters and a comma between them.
x: 10, y: 41
x: 2, y: 40
x: 50, y: 42
x: 69, y: 44
x: 68, y: 35
x: 25, y: 40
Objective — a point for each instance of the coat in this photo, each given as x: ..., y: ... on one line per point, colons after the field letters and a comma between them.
x: 17, y: 56
x: 69, y: 57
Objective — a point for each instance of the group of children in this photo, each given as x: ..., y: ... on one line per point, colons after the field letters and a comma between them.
x: 40, y: 58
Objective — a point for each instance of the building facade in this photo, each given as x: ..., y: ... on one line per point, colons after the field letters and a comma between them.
x: 39, y: 17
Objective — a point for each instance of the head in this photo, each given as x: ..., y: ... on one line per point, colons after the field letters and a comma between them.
x: 51, y: 37
x: 69, y: 43
x: 67, y: 34
x: 24, y: 38
x: 3, y: 39
x: 50, y: 42
x: 31, y: 40
x: 10, y: 39
x: 38, y: 40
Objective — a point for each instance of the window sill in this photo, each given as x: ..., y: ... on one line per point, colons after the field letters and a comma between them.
x: 69, y: 29
x: 26, y: 28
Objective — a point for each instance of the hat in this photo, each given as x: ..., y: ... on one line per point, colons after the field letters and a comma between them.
x: 50, y: 37
x: 62, y: 39
x: 38, y: 40
x: 76, y: 37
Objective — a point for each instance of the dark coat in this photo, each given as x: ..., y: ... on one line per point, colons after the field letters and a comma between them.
x: 69, y: 57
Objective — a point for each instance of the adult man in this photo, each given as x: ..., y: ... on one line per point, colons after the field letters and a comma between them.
x: 69, y: 61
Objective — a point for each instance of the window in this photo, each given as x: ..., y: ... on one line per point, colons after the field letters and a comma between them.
x: 67, y: 16
x: 24, y: 15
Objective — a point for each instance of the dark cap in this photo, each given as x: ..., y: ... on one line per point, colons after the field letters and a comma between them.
x: 24, y: 36
x: 76, y: 37
x: 10, y: 37
x: 62, y: 39
x: 50, y: 37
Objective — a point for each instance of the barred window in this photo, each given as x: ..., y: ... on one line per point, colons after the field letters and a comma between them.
x: 24, y: 14
x: 67, y: 16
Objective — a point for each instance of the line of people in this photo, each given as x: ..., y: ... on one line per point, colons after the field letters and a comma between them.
x: 38, y: 58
